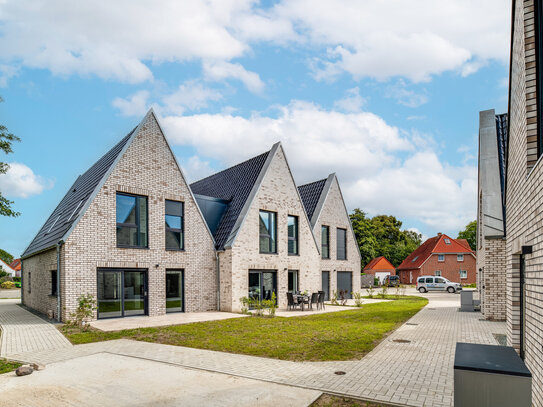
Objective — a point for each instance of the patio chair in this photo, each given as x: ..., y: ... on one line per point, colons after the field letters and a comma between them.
x: 321, y: 300
x: 314, y: 300
x: 292, y: 303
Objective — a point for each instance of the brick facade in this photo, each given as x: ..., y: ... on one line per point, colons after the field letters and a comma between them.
x: 450, y: 268
x: 277, y: 193
x: 491, y: 278
x: 334, y: 215
x: 147, y: 168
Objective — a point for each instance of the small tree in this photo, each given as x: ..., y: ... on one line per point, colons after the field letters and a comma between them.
x: 6, y: 138
x: 84, y: 312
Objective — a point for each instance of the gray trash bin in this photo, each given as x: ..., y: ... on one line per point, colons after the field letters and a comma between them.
x: 466, y: 301
x: 490, y: 376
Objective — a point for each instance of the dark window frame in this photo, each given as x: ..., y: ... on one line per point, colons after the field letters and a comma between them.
x: 54, y: 288
x: 136, y: 226
x: 261, y: 235
x: 295, y: 238
x: 29, y: 282
x: 297, y: 273
x: 327, y: 245
x: 175, y: 230
x: 344, y: 242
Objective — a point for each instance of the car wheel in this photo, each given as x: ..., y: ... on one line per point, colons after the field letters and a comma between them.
x: 422, y: 290
x: 451, y: 290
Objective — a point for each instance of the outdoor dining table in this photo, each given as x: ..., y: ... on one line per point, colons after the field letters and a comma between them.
x: 302, y: 298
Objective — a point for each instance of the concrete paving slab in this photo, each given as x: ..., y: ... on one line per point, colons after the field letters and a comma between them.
x: 178, y: 318
x: 8, y: 294
x: 112, y: 380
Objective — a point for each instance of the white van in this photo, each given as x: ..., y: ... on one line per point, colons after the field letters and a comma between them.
x: 432, y: 283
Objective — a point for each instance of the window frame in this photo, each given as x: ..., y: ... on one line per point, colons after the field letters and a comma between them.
x: 440, y: 258
x: 137, y: 226
x: 297, y: 274
x: 54, y: 287
x: 459, y: 257
x: 327, y: 245
x: 465, y: 271
x: 437, y: 275
x: 538, y: 19
x: 269, y: 237
x: 345, y: 244
x: 29, y: 282
x: 296, y: 237
x: 175, y: 230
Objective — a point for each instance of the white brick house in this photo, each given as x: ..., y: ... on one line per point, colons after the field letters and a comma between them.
x: 134, y: 235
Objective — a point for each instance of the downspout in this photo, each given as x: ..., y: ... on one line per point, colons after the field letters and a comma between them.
x: 218, y: 281
x: 59, y: 317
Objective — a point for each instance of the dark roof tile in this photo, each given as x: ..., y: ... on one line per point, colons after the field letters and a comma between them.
x: 310, y: 194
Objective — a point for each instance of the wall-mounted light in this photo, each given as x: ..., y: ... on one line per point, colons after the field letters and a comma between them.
x: 156, y: 265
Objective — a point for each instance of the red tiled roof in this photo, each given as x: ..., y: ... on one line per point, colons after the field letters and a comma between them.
x: 379, y: 263
x: 433, y: 245
x: 16, y: 264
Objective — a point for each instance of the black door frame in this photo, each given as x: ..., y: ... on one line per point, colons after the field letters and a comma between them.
x: 349, y: 294
x: 327, y: 292
x: 182, y: 272
x: 274, y: 272
x: 145, y: 290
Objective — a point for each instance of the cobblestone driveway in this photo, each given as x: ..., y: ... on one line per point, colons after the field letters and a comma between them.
x: 414, y: 373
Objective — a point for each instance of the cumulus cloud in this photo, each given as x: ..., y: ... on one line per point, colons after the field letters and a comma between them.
x: 352, y: 102
x: 20, y: 181
x: 190, y: 95
x: 195, y: 168
x: 382, y: 169
x: 135, y: 105
x: 405, y: 96
x: 122, y: 40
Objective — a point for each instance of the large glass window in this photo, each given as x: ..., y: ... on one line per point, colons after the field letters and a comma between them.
x: 293, y: 283
x: 131, y: 220
x: 54, y: 290
x: 325, y: 242
x: 342, y: 244
x: 175, y: 236
x: 268, y: 232
x: 292, y: 234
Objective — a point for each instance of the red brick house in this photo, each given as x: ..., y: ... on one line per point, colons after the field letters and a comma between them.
x: 16, y: 265
x: 443, y: 256
x: 380, y: 267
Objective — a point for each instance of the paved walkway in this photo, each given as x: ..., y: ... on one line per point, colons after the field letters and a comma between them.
x: 23, y: 331
x: 416, y: 373
x: 8, y: 294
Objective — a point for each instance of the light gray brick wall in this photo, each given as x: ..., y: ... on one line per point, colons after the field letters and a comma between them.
x: 277, y: 193
x: 147, y: 168
x: 491, y: 278
x: 334, y: 215
x: 524, y: 211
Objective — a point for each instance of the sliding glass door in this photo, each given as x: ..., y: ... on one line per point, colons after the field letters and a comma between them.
x: 122, y: 293
x: 262, y: 284
x: 174, y: 291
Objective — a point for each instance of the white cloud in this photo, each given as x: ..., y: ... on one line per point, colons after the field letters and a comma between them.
x: 381, y: 168
x: 218, y: 71
x: 135, y: 105
x: 20, y: 181
x: 352, y: 102
x: 122, y: 40
x: 405, y: 96
x: 194, y: 168
x: 190, y: 95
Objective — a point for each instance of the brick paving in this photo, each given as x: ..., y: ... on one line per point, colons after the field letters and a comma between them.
x: 418, y: 373
x: 23, y: 331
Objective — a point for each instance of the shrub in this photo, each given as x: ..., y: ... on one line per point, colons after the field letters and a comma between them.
x: 7, y: 285
x: 334, y: 298
x: 342, y: 297
x: 5, y: 278
x: 357, y: 298
x: 244, y: 305
x: 270, y: 305
x: 376, y: 282
x: 370, y: 291
x: 84, y: 312
x: 17, y: 279
x: 383, y: 292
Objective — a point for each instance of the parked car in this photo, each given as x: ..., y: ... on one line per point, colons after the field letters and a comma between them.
x: 431, y: 283
x: 391, y: 281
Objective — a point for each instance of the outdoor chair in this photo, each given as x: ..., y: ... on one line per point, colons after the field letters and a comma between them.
x: 314, y: 300
x: 292, y: 303
x: 321, y: 300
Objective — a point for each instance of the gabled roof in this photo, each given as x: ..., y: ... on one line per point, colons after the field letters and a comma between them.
x: 66, y: 213
x: 434, y: 245
x: 379, y: 263
x: 6, y: 267
x: 233, y: 185
x: 15, y: 264
x: 310, y: 194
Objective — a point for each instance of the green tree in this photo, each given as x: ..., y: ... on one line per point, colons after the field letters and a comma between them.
x: 8, y: 258
x: 365, y: 238
x: 6, y: 138
x: 470, y: 234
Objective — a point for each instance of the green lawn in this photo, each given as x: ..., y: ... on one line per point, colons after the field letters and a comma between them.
x: 343, y: 335
x: 8, y: 366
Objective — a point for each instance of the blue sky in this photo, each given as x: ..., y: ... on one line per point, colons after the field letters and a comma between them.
x: 385, y: 95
